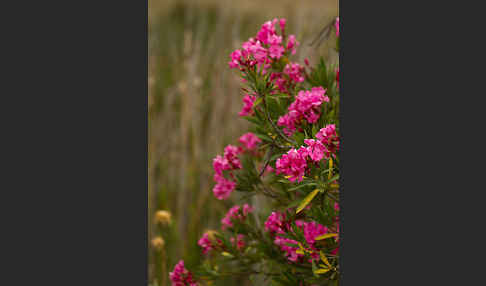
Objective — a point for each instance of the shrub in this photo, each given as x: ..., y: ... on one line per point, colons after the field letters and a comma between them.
x: 290, y: 157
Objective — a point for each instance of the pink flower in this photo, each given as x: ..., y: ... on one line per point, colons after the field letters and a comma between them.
x: 276, y: 51
x: 335, y: 251
x: 275, y: 222
x: 336, y: 206
x: 229, y: 161
x: 306, y: 105
x: 292, y: 44
x: 329, y: 138
x: 240, y: 243
x: 282, y: 25
x: 275, y: 40
x: 294, y: 71
x: 231, y: 154
x: 223, y: 188
x: 249, y: 141
x: 293, y: 164
x: 235, y: 59
x: 289, y: 121
x: 205, y: 243
x: 267, y: 30
x: 279, y: 80
x: 306, y: 61
x: 268, y: 170
x: 313, y: 230
x: 181, y: 276
x: 336, y: 24
x: 220, y: 164
x: 316, y: 149
x: 235, y: 214
x: 247, y: 105
x: 290, y: 251
x: 247, y: 209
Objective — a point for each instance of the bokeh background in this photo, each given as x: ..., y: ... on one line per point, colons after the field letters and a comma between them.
x: 194, y: 100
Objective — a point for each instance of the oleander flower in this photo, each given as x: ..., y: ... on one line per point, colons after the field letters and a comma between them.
x: 307, y: 105
x: 290, y: 251
x: 249, y: 141
x: 336, y: 25
x: 248, y: 101
x: 205, y: 243
x: 180, y: 276
x: 275, y: 223
x: 329, y: 138
x: 223, y: 188
x: 293, y: 164
x: 294, y: 71
x: 312, y: 230
x: 236, y: 213
x: 316, y: 149
x: 292, y: 44
x: 240, y: 243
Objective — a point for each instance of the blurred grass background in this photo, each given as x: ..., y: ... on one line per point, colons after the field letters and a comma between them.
x: 194, y: 100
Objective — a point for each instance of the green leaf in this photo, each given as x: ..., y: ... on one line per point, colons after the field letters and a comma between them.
x: 227, y: 254
x: 324, y: 259
x: 307, y: 200
x: 322, y: 270
x: 315, y: 129
x: 301, y: 186
x: 264, y: 137
x: 257, y: 101
x: 252, y: 119
x: 324, y: 236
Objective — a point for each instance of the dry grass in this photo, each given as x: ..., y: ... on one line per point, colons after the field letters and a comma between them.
x: 194, y: 100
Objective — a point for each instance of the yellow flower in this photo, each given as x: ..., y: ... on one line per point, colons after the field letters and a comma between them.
x: 158, y: 243
x: 163, y: 217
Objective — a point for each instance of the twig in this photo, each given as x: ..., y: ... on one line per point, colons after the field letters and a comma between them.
x: 269, y: 155
x: 275, y: 127
x: 323, y: 34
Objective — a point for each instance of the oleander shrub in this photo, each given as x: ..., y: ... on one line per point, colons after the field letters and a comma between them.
x: 290, y: 157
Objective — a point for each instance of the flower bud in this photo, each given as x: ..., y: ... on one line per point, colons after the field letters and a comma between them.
x: 163, y: 217
x: 158, y: 243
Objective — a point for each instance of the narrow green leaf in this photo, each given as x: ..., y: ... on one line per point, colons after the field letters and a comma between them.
x: 324, y: 236
x: 257, y: 102
x: 307, y: 200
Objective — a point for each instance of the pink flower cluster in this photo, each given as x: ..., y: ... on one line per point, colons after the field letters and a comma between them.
x: 276, y: 225
x: 264, y: 49
x: 307, y: 105
x: 181, y: 276
x: 248, y: 101
x: 290, y: 251
x: 329, y: 139
x: 294, y: 163
x: 236, y: 213
x: 249, y: 141
x: 205, y: 243
x: 292, y: 74
x: 240, y: 243
x: 229, y: 162
x: 312, y: 230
